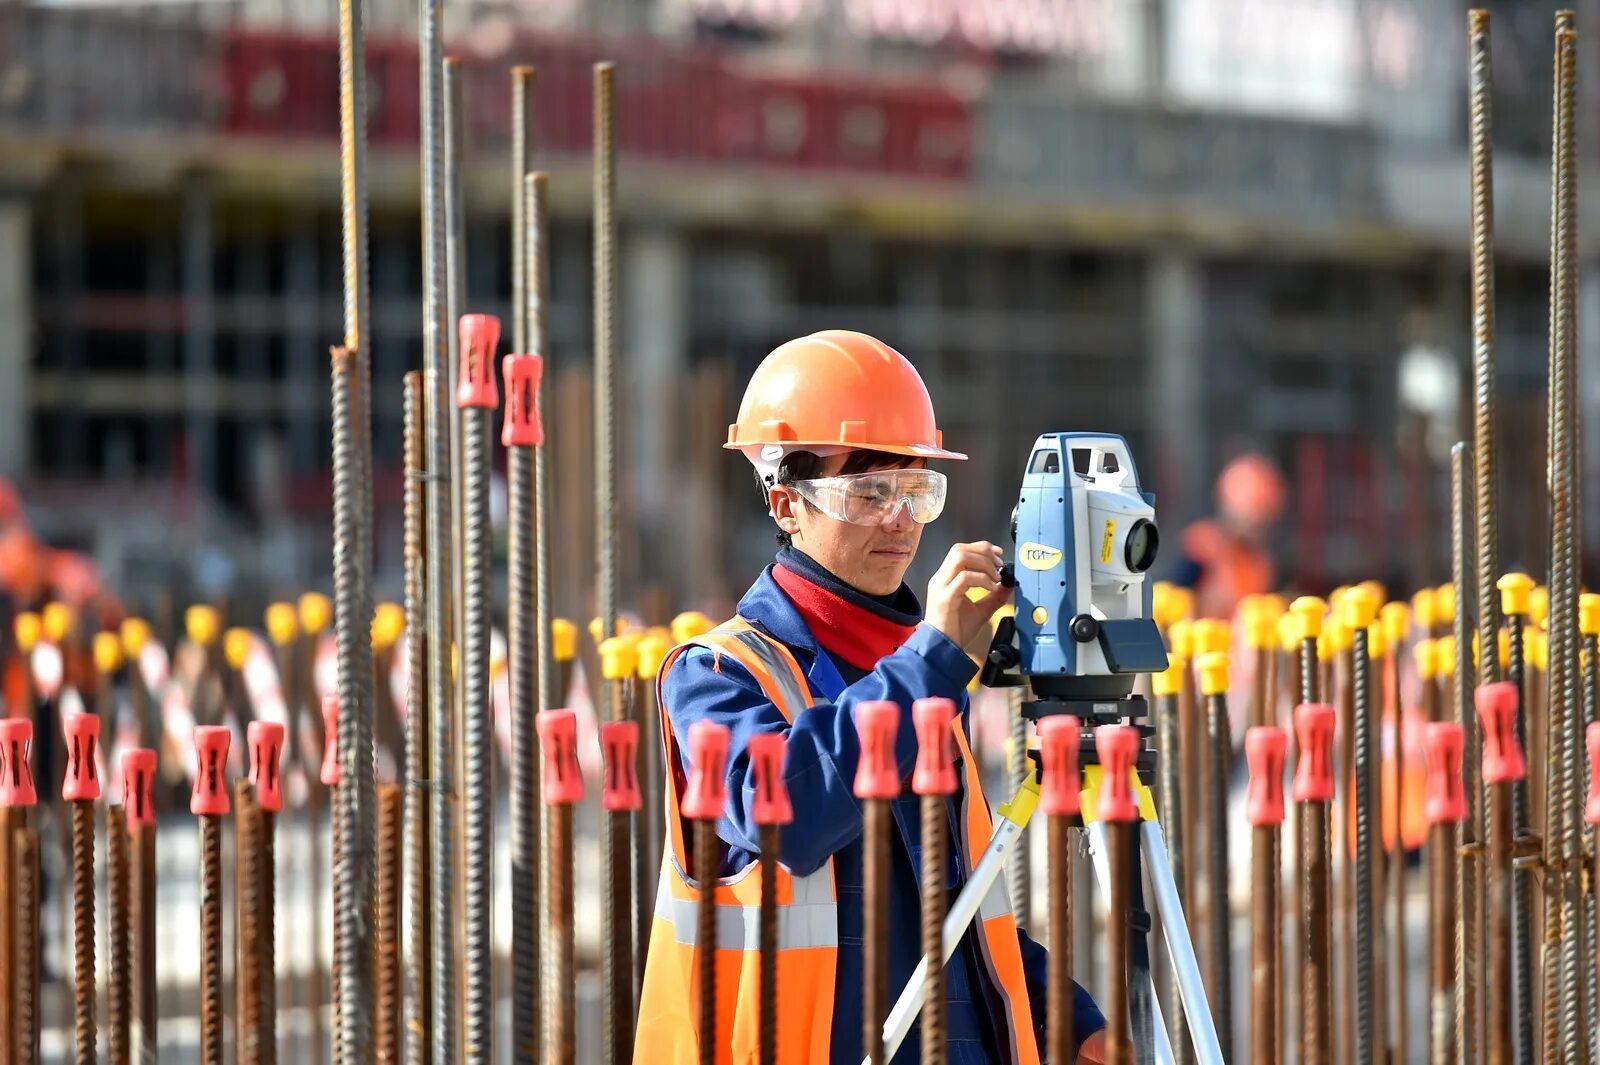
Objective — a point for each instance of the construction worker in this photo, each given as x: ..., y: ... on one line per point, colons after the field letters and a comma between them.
x: 1226, y: 558
x: 840, y: 428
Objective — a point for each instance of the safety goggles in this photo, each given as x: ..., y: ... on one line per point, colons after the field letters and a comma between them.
x: 874, y: 497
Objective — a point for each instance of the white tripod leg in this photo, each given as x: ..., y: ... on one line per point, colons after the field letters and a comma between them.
x: 1191, y: 989
x: 962, y: 911
x: 1102, y: 877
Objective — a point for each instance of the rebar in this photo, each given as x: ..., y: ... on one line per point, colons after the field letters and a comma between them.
x: 1058, y: 846
x: 618, y: 924
x: 769, y: 945
x: 935, y: 868
x: 353, y: 860
x: 522, y: 622
x: 117, y: 998
x: 1498, y: 989
x: 419, y: 932
x: 1562, y: 929
x: 1171, y: 778
x: 875, y: 929
x: 83, y: 930
x: 561, y: 1029
x: 438, y: 523
x: 1221, y: 976
x: 25, y: 946
x: 1521, y: 886
x: 1119, y: 1038
x: 1468, y: 901
x: 387, y: 1020
x: 1019, y: 871
x: 247, y: 1021
x: 142, y: 951
x: 477, y: 784
x: 266, y: 826
x: 605, y: 388
x: 210, y: 940
x: 1265, y: 928
x: 8, y: 822
x: 1365, y: 748
x: 1442, y: 855
x: 1343, y: 816
x: 1591, y: 940
x: 1397, y: 859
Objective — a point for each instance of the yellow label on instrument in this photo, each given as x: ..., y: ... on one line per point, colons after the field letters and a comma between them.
x: 1039, y: 557
x: 1107, y: 542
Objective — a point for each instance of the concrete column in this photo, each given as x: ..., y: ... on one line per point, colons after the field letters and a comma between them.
x: 652, y: 365
x: 16, y: 321
x: 1175, y: 311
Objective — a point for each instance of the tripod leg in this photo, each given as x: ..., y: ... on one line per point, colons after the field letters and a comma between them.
x: 1151, y: 1038
x: 1169, y: 910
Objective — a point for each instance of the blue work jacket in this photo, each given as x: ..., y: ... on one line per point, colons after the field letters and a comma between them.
x: 819, y: 769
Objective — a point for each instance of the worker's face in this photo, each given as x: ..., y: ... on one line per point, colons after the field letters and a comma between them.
x: 870, y: 558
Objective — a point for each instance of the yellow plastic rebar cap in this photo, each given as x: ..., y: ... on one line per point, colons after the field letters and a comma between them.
x: 1358, y: 607
x: 316, y: 613
x: 1259, y: 622
x: 653, y: 650
x: 689, y: 624
x: 236, y: 646
x: 283, y: 625
x: 1170, y: 680
x: 58, y: 621
x: 202, y: 624
x: 1589, y: 614
x: 1213, y: 669
x: 1424, y: 607
x: 1444, y: 604
x: 1396, y: 618
x: 1180, y: 639
x: 1212, y: 637
x: 27, y: 629
x: 1377, y: 640
x: 1167, y: 603
x: 135, y: 634
x: 107, y: 652
x: 1516, y: 594
x: 619, y: 657
x: 563, y: 640
x: 1310, y: 612
x: 1337, y: 636
x: 1536, y: 645
x: 388, y: 622
x: 1426, y: 654
x: 1539, y: 604
x: 1289, y: 633
x: 1445, y: 647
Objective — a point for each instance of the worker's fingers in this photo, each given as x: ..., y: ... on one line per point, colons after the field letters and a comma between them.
x: 993, y: 601
x: 984, y: 558
x: 971, y: 578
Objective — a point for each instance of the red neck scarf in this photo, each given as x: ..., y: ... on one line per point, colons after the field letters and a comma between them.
x: 849, y: 630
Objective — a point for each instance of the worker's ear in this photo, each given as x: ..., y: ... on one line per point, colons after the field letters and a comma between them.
x: 781, y: 504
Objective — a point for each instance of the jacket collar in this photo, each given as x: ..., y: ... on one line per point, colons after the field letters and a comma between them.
x: 766, y: 607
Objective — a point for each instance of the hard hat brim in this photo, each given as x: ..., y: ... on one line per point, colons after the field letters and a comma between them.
x: 921, y: 451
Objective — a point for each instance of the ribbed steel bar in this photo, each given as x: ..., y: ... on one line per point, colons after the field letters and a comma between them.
x: 437, y: 597
x: 25, y: 944
x: 142, y: 962
x: 83, y: 930
x: 118, y: 999
x: 1264, y: 952
x: 247, y: 927
x: 1219, y: 737
x: 1119, y: 860
x: 8, y: 821
x: 1365, y: 960
x: 210, y: 940
x: 1521, y: 881
x: 605, y: 387
x: 561, y: 1029
x: 386, y: 1022
x: 1468, y: 901
x: 1060, y: 1014
x: 1019, y: 872
x: 1172, y: 815
x: 769, y: 945
x: 935, y: 868
x: 267, y: 951
x: 1398, y: 996
x: 418, y: 854
x: 875, y: 925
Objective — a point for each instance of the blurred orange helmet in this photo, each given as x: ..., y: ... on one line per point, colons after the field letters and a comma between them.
x: 835, y: 391
x: 1251, y: 488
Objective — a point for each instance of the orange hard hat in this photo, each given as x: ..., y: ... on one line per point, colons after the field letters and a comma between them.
x: 1251, y: 487
x: 835, y: 391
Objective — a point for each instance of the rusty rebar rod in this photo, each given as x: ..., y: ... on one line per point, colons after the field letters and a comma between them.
x: 209, y: 802
x: 387, y: 1020
x: 1468, y: 897
x: 247, y: 925
x: 1060, y: 801
x: 561, y: 785
x: 117, y: 885
x: 266, y: 740
x: 8, y: 822
x: 80, y: 788
x: 934, y: 779
x: 619, y: 924
x: 1266, y: 749
x: 25, y: 946
x: 1313, y: 792
x: 1213, y: 671
x: 877, y: 784
x: 1503, y: 764
x: 1167, y: 687
x: 138, y: 780
x: 1117, y: 747
x: 418, y: 988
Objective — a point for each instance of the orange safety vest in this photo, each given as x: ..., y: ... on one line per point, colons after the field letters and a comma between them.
x: 808, y: 942
x: 1230, y: 569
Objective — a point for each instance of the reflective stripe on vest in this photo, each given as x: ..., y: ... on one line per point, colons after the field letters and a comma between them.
x: 806, y: 907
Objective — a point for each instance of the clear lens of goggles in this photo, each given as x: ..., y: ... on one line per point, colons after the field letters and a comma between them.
x: 873, y: 498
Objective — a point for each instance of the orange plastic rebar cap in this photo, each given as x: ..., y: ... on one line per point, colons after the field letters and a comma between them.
x: 837, y: 388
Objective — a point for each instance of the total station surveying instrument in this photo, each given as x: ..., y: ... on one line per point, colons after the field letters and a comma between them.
x: 1085, y: 537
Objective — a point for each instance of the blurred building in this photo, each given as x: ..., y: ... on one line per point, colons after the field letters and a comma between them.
x: 1205, y: 224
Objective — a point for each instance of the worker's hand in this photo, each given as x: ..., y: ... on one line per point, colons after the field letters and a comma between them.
x: 967, y: 566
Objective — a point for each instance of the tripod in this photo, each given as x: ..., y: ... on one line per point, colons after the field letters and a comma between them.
x: 1150, y: 1034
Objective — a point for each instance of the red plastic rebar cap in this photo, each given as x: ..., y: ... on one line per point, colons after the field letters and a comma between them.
x: 1265, y: 751
x: 877, y: 773
x: 210, y: 794
x: 1497, y: 714
x: 619, y: 741
x: 266, y: 760
x: 1062, y: 787
x: 935, y: 772
x: 138, y: 786
x: 771, y: 806
x: 330, y: 740
x: 82, y: 780
x: 522, y: 427
x: 479, y: 335
x: 1591, y: 809
x: 16, y: 775
x: 1313, y: 733
x: 562, y: 780
x: 1446, y: 800
x: 1118, y: 747
x: 706, y: 796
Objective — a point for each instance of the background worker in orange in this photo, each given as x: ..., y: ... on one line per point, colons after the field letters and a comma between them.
x: 1227, y: 557
x: 840, y: 429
